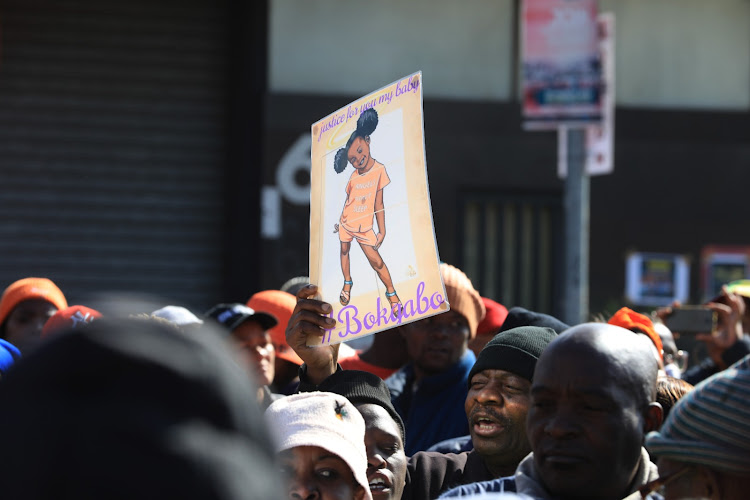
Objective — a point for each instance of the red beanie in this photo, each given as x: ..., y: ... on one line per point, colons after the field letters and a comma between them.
x: 30, y: 288
x: 494, y: 317
x: 629, y: 319
x: 280, y: 305
x: 69, y: 318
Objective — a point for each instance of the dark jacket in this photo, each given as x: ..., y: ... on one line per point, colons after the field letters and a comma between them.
x: 435, y: 410
x: 429, y: 473
x: 707, y: 367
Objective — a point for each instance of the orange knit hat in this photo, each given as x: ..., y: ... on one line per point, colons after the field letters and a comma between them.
x: 281, y: 305
x: 629, y: 319
x: 30, y: 288
x: 462, y: 296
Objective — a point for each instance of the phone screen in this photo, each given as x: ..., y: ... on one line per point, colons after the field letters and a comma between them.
x: 691, y: 320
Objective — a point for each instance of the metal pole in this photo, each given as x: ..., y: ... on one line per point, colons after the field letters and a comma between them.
x: 576, y: 229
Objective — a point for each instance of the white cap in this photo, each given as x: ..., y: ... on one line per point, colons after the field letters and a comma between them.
x: 177, y: 315
x: 323, y: 419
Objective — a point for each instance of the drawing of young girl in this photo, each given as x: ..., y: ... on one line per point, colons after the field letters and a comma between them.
x: 364, y: 199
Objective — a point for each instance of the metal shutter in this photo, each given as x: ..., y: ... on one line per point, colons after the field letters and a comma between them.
x: 112, y: 149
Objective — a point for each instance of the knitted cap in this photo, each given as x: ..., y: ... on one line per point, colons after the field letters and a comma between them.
x: 281, y: 305
x: 516, y: 351
x: 709, y: 426
x: 462, y: 296
x: 361, y: 387
x: 518, y: 316
x: 30, y: 288
x: 329, y: 421
x: 629, y: 319
x: 68, y: 319
x: 494, y: 317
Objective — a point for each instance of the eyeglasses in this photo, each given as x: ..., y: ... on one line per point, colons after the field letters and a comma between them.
x: 680, y: 359
x: 658, y: 484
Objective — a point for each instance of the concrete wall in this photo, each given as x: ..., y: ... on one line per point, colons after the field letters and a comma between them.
x: 332, y: 47
x: 683, y: 54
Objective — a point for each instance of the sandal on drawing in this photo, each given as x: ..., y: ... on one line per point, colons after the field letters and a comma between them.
x: 346, y: 294
x: 395, y: 305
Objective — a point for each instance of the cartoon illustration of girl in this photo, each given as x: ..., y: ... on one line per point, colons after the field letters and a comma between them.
x: 364, y: 199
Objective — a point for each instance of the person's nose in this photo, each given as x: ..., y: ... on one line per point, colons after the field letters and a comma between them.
x: 375, y: 460
x: 299, y: 490
x: 561, y: 425
x: 489, y: 395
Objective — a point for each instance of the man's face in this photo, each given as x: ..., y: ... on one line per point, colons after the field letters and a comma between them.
x: 386, y: 459
x: 584, y: 423
x: 255, y: 346
x: 438, y: 342
x: 496, y: 408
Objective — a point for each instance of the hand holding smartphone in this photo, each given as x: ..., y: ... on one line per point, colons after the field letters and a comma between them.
x: 691, y: 320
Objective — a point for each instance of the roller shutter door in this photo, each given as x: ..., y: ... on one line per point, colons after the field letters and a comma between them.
x: 112, y: 149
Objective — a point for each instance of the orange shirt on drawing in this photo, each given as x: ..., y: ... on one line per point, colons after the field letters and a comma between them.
x: 360, y: 202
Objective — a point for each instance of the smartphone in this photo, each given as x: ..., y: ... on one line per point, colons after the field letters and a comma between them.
x: 689, y: 320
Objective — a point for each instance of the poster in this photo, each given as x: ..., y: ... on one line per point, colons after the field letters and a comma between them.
x: 373, y: 252
x: 560, y: 64
x: 600, y: 139
x: 721, y: 265
x: 655, y: 279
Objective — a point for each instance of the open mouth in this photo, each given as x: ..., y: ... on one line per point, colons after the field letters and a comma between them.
x: 486, y: 427
x: 379, y: 484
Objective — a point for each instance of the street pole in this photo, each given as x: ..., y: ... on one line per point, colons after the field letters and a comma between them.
x: 576, y: 287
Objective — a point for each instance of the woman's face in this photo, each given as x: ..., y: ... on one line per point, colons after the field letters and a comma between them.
x: 23, y: 328
x: 256, y: 348
x: 313, y: 472
x: 359, y: 153
x: 386, y: 460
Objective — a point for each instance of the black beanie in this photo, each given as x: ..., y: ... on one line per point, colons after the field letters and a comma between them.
x: 518, y: 316
x: 361, y: 388
x: 515, y: 351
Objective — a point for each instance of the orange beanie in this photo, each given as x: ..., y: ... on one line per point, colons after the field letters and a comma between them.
x: 281, y: 305
x: 462, y: 296
x: 629, y: 319
x: 30, y: 288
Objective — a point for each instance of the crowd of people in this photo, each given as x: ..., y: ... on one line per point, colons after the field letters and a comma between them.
x: 482, y: 401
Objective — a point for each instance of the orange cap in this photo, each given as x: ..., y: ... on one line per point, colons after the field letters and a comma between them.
x: 281, y: 305
x: 30, y: 288
x: 629, y: 319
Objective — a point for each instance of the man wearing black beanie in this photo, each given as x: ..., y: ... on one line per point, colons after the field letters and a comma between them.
x: 496, y: 409
x: 498, y: 398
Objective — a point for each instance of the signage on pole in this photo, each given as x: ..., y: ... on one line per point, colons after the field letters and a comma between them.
x: 562, y: 78
x: 600, y: 138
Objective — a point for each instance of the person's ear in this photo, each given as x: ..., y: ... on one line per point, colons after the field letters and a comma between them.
x: 654, y: 417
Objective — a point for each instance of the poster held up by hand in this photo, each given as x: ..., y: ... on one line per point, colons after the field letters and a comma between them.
x: 373, y: 252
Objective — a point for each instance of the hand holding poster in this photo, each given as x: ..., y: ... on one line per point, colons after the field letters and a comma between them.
x: 372, y: 243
